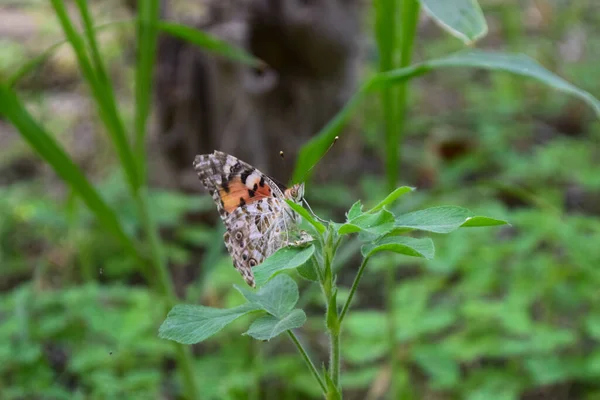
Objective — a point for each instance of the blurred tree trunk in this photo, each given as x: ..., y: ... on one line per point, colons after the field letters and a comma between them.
x: 205, y: 103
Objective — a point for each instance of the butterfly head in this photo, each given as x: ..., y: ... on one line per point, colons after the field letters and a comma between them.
x: 295, y: 193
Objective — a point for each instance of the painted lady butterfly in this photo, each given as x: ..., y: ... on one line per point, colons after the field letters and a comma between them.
x: 252, y: 205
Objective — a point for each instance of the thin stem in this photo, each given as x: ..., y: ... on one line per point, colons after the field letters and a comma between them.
x: 390, y: 285
x: 307, y: 360
x: 334, y: 338
x: 353, y: 289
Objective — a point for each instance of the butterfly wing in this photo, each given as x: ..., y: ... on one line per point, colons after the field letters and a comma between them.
x: 251, y: 205
x: 255, y: 231
x: 233, y: 183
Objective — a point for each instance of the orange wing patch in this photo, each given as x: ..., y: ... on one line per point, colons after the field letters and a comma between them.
x: 235, y: 193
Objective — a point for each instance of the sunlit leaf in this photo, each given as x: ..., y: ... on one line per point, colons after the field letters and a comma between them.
x: 268, y: 326
x: 189, y: 324
x: 283, y: 259
x: 461, y: 18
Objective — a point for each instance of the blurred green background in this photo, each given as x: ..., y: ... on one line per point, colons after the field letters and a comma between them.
x: 508, y: 313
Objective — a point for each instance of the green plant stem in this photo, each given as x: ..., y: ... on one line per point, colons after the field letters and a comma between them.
x: 357, y: 278
x: 408, y: 26
x: 308, y: 361
x: 390, y: 285
x: 335, y: 356
x: 410, y: 17
x: 147, y: 37
x: 385, y: 33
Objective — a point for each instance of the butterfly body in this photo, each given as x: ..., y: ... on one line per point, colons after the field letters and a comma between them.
x: 252, y: 206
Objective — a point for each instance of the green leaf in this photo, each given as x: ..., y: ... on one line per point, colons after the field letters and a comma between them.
x: 443, y: 219
x: 209, y: 43
x: 307, y: 270
x: 268, y: 326
x: 354, y: 211
x: 306, y: 215
x: 474, y: 222
x: 282, y: 259
x: 189, y: 324
x: 278, y: 297
x: 377, y: 223
x: 391, y: 198
x: 439, y: 365
x: 45, y: 145
x: 401, y: 245
x: 461, y: 18
x: 519, y: 64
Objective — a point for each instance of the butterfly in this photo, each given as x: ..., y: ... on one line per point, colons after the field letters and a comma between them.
x: 252, y: 206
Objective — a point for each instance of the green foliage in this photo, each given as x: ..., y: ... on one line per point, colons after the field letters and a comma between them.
x: 492, y: 316
x: 88, y: 334
x: 283, y: 259
x: 190, y: 324
x: 461, y: 18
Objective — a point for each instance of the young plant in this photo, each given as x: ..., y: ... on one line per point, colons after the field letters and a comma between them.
x: 274, y: 300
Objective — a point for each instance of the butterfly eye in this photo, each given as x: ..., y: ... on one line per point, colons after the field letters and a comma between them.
x: 238, y: 235
x: 252, y: 262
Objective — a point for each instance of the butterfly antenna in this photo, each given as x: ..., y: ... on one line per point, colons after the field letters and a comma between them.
x: 320, y: 158
x: 312, y: 212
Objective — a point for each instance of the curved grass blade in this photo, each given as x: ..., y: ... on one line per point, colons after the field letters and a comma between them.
x: 50, y: 151
x: 209, y: 43
x: 519, y: 64
x: 30, y: 65
x: 101, y: 90
x: 147, y: 37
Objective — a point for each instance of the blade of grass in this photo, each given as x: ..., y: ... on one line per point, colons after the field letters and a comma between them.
x: 30, y: 65
x: 102, y: 90
x: 385, y: 34
x: 147, y: 36
x: 44, y: 144
x: 209, y: 43
x: 519, y: 64
x: 101, y: 93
